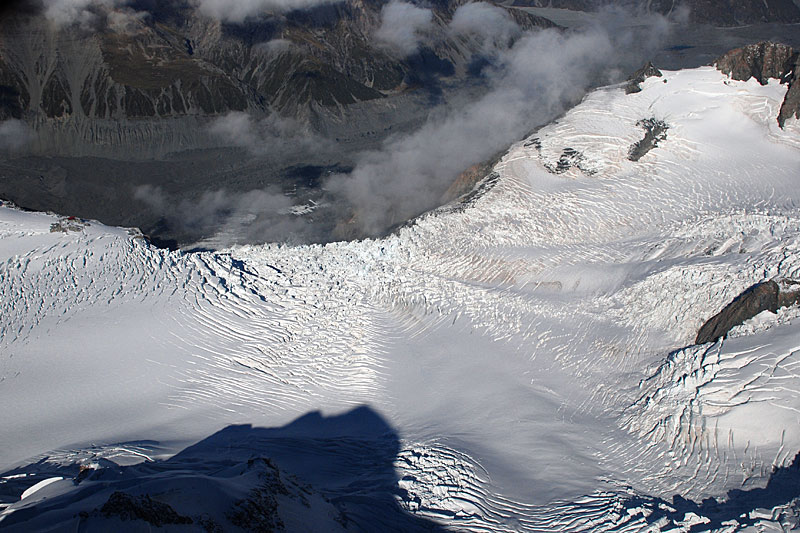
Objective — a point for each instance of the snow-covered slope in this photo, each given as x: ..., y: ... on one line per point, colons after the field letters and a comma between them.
x: 530, y: 349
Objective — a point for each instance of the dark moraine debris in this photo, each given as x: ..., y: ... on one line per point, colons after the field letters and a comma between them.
x: 654, y: 131
x: 647, y: 71
x: 153, y: 512
x: 766, y: 296
x: 763, y: 61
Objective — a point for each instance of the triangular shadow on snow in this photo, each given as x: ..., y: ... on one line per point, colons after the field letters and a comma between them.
x: 349, y: 458
x: 344, y: 461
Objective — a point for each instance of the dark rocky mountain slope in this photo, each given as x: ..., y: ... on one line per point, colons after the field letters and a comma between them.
x: 722, y: 13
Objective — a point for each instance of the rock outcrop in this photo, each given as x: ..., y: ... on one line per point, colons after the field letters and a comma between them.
x: 763, y: 61
x: 791, y: 102
x: 647, y: 71
x: 655, y: 131
x: 767, y: 296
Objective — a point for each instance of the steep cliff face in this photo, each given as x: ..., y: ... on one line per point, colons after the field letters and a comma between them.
x: 763, y: 61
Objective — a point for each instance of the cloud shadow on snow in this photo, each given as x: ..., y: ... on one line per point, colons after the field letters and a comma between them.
x: 346, y: 462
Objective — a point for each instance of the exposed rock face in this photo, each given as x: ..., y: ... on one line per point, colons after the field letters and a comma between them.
x: 647, y: 71
x: 791, y: 102
x: 655, y: 131
x: 767, y: 296
x: 763, y: 61
x: 570, y: 158
x: 113, y: 110
x: 722, y: 13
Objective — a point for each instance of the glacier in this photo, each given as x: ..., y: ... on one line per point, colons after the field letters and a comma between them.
x: 531, y: 344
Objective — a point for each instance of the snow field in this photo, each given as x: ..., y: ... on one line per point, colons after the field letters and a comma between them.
x: 532, y: 349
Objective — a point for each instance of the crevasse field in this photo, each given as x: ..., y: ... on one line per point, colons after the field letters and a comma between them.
x: 529, y: 349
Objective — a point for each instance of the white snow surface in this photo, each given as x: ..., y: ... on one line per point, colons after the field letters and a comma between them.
x: 532, y: 348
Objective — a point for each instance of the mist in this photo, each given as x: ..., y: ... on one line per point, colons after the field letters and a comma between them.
x: 270, y: 134
x: 490, y: 24
x: 118, y: 15
x: 237, y: 11
x: 14, y: 134
x: 403, y: 27
x: 65, y: 12
x: 225, y: 218
x: 90, y: 14
x: 531, y: 82
x: 274, y: 47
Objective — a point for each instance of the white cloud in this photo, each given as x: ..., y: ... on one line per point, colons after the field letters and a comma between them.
x: 126, y: 20
x: 274, y: 47
x: 490, y: 23
x: 403, y: 26
x: 82, y: 12
x: 240, y: 10
x: 89, y: 14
